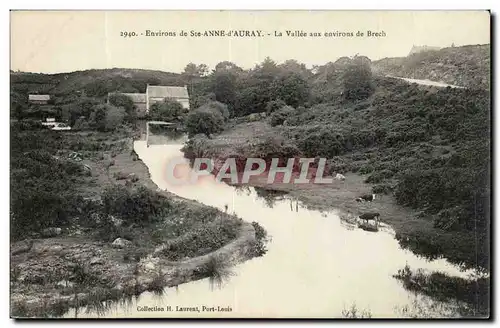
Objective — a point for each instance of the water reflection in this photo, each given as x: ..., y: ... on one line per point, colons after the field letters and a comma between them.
x: 316, y: 265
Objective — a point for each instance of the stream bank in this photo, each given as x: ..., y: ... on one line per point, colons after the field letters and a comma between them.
x: 77, y: 267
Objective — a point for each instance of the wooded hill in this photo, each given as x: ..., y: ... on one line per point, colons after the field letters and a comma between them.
x: 467, y: 66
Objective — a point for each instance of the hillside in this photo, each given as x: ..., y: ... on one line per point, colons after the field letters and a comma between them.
x: 95, y: 82
x: 426, y: 147
x: 467, y: 66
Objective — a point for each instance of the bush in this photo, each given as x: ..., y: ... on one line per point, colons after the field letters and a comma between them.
x: 279, y: 117
x: 138, y: 205
x: 274, y: 105
x: 357, y: 79
x: 120, y: 175
x: 382, y: 189
x: 114, y: 118
x: 292, y: 88
x: 169, y: 110
x: 322, y: 142
x: 28, y: 124
x: 259, y: 248
x: 215, y: 107
x: 43, y: 188
x: 379, y: 176
x: 218, y: 270
x: 202, y: 240
x: 123, y: 101
x: 365, y: 169
x: 204, y: 122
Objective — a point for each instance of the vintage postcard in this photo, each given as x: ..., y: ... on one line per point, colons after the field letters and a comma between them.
x: 250, y: 164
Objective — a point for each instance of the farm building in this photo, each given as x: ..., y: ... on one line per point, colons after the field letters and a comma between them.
x: 424, y: 48
x: 158, y: 93
x: 39, y: 99
x: 139, y: 100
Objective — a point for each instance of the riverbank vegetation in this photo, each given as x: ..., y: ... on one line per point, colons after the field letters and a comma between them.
x: 428, y: 148
x: 83, y: 206
x: 471, y: 296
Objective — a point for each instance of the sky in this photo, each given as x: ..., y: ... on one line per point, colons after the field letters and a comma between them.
x: 66, y: 41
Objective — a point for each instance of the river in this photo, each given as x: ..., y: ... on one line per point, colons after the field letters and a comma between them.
x: 315, y: 267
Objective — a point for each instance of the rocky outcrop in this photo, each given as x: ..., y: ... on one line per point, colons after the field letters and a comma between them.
x: 121, y: 243
x: 51, y: 232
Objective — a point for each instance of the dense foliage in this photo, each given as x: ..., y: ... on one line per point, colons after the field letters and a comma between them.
x: 43, y: 186
x: 433, y: 143
x: 467, y: 66
x: 168, y: 110
x: 205, y: 122
x: 139, y: 205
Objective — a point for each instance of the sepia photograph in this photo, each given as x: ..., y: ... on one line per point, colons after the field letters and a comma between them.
x: 223, y: 164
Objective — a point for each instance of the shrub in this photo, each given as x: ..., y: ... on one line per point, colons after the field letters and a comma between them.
x: 379, y: 176
x: 120, y: 175
x: 365, y: 169
x: 43, y: 188
x: 357, y: 79
x: 215, y: 107
x: 204, y: 122
x: 279, y: 117
x: 114, y: 118
x: 217, y: 269
x: 202, y: 240
x: 382, y: 189
x: 27, y: 124
x: 139, y: 205
x: 169, y: 110
x: 125, y: 102
x: 274, y: 105
x: 259, y: 248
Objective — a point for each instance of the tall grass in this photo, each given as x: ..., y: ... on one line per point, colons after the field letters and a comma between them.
x: 217, y: 269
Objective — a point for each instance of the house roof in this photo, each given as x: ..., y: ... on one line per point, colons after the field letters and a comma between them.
x: 136, y: 97
x: 160, y: 91
x: 39, y: 97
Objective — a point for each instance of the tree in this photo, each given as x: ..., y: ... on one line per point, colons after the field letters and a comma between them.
x: 84, y: 107
x: 204, y: 122
x: 169, y: 110
x: 357, y: 79
x: 106, y: 117
x: 216, y: 107
x: 293, y: 66
x: 292, y: 88
x: 192, y: 70
x: 224, y: 87
x: 227, y: 66
x: 18, y: 105
x: 124, y: 101
x: 114, y: 117
x: 97, y: 88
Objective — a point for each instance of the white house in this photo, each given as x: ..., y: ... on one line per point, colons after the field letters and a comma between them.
x: 158, y: 93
